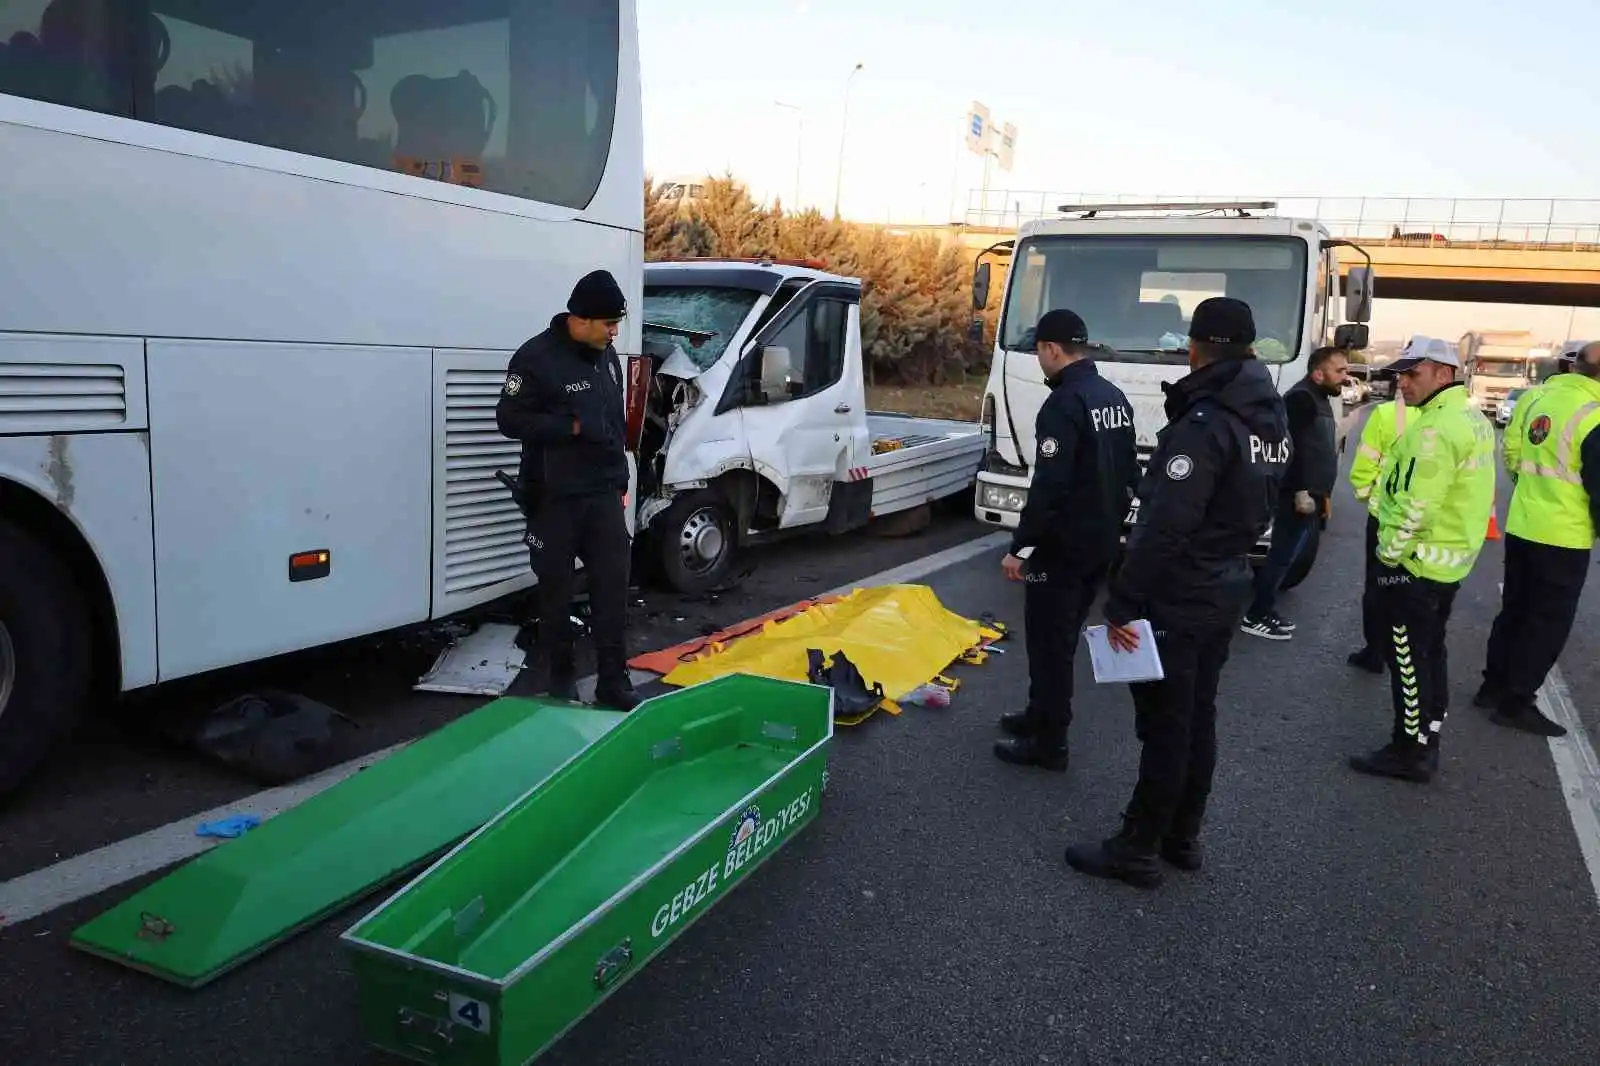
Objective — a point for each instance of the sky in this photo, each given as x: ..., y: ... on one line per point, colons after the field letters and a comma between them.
x: 1374, y: 98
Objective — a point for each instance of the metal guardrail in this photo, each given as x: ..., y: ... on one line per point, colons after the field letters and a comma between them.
x: 1555, y: 225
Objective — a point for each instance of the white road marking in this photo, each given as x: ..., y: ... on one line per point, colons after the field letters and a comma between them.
x: 1578, y: 770
x: 1576, y: 766
x: 44, y: 890
x: 84, y: 875
x: 928, y: 564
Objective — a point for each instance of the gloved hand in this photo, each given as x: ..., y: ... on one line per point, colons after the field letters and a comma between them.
x: 1303, y: 503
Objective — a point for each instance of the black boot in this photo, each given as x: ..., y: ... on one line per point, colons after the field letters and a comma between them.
x: 1527, y: 719
x: 617, y: 695
x: 1122, y: 858
x: 564, y: 675
x: 1031, y: 751
x: 1401, y: 762
x: 1366, y: 659
x: 554, y: 674
x: 614, y: 688
x: 1017, y: 724
x: 1489, y: 697
x: 1183, y: 852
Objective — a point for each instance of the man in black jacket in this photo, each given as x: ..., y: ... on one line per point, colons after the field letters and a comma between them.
x: 1307, y: 485
x: 1083, y: 482
x: 563, y: 399
x: 1205, y: 498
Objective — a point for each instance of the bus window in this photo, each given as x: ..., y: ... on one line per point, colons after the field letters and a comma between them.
x: 67, y: 52
x: 514, y: 96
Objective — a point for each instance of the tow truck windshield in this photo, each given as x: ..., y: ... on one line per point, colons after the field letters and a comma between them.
x: 1136, y: 294
x: 700, y: 319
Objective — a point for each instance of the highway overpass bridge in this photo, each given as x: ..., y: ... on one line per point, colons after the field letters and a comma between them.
x: 1480, y: 251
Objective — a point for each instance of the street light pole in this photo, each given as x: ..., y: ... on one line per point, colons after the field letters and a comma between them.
x: 844, y: 123
x: 799, y: 142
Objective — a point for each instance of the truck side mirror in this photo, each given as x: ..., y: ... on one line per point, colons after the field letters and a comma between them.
x: 980, y: 287
x: 1358, y: 286
x: 777, y: 367
x: 1352, y: 336
x: 975, y: 332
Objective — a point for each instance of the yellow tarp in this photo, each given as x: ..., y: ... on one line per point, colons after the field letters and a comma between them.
x: 900, y: 636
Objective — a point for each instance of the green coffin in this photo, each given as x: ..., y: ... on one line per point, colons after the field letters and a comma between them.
x: 242, y: 897
x: 499, y: 948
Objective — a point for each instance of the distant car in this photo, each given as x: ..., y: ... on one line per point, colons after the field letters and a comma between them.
x: 1504, y: 409
x: 1353, y: 392
x: 1382, y: 387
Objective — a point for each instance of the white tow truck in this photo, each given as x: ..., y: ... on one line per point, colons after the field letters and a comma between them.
x: 1135, y: 273
x: 748, y: 419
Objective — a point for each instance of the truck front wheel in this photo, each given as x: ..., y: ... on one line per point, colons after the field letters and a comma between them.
x: 696, y: 538
x: 44, y: 653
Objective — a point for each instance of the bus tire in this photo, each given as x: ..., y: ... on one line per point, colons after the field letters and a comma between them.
x: 696, y: 539
x: 45, y: 654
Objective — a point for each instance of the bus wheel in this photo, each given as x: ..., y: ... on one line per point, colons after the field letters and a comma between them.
x: 44, y: 653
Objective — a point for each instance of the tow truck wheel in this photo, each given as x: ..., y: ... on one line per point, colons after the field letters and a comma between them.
x: 696, y: 540
x: 44, y: 653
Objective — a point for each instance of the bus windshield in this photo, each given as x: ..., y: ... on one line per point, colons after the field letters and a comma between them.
x: 1136, y: 294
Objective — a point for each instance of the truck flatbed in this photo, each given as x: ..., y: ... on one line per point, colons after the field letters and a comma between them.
x: 917, y: 460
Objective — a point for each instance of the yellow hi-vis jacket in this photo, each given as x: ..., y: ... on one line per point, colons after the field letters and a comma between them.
x: 1437, y: 492
x: 1384, y: 426
x: 1544, y: 454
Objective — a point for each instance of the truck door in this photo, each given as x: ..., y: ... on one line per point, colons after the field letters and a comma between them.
x: 799, y: 401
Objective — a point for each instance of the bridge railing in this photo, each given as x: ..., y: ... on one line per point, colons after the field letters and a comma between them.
x: 1571, y: 225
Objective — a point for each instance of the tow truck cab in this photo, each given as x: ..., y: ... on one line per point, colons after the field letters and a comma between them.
x: 1135, y: 273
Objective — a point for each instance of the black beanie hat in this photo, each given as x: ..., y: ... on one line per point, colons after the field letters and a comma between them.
x: 1062, y: 327
x: 597, y: 295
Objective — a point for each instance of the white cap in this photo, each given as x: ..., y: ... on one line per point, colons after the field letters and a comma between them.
x: 1425, y: 350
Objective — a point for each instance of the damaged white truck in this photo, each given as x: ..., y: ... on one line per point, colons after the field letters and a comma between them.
x: 1136, y: 272
x: 748, y: 408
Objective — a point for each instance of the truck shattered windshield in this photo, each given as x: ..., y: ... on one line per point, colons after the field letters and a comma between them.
x: 1136, y: 293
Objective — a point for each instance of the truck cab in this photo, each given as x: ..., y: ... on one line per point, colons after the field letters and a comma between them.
x: 1135, y: 273
x: 1497, y: 362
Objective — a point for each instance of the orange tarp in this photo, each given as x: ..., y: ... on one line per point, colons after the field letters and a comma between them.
x: 666, y: 660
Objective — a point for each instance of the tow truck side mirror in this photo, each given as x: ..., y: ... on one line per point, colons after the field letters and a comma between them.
x: 777, y: 366
x: 1358, y: 288
x: 1352, y: 336
x: 980, y: 287
x: 975, y: 332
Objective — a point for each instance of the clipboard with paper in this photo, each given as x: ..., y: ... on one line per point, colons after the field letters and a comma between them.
x: 1124, y: 667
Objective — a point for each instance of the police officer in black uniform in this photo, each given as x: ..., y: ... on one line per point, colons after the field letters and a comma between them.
x: 1083, y: 483
x: 563, y: 399
x: 1204, y: 501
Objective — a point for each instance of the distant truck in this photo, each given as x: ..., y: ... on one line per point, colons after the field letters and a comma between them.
x: 750, y: 414
x: 1497, y: 361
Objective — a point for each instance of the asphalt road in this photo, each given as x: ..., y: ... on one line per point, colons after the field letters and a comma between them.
x: 123, y: 776
x: 927, y: 915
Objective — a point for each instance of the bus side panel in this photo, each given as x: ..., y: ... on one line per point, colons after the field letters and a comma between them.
x: 101, y: 483
x: 261, y: 452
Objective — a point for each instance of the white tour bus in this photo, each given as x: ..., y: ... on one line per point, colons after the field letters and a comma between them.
x: 264, y: 264
x: 1135, y: 273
